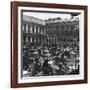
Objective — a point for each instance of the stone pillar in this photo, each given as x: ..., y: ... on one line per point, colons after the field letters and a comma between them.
x: 44, y: 31
x: 34, y: 28
x: 41, y: 39
x: 26, y: 27
x: 26, y: 38
x: 31, y: 39
x: 31, y: 28
x: 34, y: 39
x: 38, y: 39
x: 38, y: 29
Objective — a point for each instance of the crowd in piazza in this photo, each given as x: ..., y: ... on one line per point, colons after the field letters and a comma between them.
x: 50, y: 47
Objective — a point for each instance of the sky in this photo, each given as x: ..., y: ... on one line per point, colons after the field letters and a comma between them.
x: 45, y: 16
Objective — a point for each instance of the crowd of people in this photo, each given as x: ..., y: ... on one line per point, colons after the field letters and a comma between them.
x: 49, y: 60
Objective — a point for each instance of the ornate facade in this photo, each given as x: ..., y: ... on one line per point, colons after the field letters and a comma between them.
x: 59, y: 30
x: 51, y: 31
x: 34, y: 30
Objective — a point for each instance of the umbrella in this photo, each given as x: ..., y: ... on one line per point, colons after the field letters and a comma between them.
x: 50, y: 62
x: 72, y: 52
x: 56, y: 67
x: 35, y: 53
x: 46, y: 51
x: 47, y: 55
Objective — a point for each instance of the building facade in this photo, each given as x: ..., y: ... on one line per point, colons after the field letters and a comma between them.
x: 34, y: 30
x: 51, y: 31
x: 59, y: 30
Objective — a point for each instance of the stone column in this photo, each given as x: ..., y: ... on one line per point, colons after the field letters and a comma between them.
x: 41, y: 30
x: 26, y: 27
x: 38, y: 39
x: 34, y: 39
x: 31, y: 39
x: 31, y: 28
x: 44, y: 31
x: 34, y: 28
x: 38, y: 29
x: 41, y: 39
x: 26, y: 38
